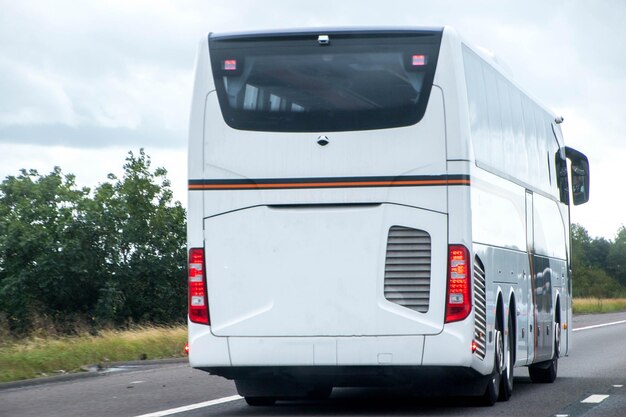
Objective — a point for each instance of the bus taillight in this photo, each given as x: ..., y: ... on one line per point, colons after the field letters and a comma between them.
x: 198, y: 300
x: 458, y: 301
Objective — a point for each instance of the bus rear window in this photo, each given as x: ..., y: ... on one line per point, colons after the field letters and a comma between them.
x: 295, y: 83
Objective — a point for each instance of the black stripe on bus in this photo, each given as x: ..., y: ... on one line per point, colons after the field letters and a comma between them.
x: 328, y: 182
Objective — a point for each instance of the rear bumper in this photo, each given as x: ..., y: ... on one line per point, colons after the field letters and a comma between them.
x: 210, y: 351
x: 449, y: 349
x: 291, y: 367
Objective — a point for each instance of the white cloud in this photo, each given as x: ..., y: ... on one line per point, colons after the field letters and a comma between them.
x: 84, y: 82
x: 32, y: 96
x: 87, y: 65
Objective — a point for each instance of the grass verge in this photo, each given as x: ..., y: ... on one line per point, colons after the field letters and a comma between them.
x: 45, y: 357
x: 598, y: 305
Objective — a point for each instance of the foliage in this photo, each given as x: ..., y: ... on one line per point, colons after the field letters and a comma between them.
x: 616, y: 257
x: 598, y: 265
x: 110, y: 257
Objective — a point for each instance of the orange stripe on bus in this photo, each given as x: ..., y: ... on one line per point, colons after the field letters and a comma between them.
x: 327, y: 184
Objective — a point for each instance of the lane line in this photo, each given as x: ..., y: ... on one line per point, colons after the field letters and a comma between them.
x: 617, y: 386
x: 192, y: 406
x: 599, y: 325
x: 595, y: 399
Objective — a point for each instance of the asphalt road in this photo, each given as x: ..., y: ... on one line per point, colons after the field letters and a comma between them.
x: 592, y: 382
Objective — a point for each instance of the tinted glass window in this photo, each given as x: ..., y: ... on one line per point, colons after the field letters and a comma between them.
x: 294, y: 84
x: 510, y: 132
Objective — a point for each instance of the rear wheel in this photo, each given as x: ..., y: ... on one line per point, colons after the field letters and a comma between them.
x: 506, y: 379
x: 546, y: 372
x: 260, y: 401
x: 492, y: 392
x: 321, y: 392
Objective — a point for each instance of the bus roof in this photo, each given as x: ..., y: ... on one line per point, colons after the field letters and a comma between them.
x: 326, y: 30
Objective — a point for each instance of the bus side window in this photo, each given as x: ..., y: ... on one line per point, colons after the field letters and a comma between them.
x: 561, y: 170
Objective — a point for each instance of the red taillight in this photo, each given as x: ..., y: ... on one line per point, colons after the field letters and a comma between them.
x: 198, y: 301
x: 230, y: 65
x: 418, y: 60
x: 458, y: 302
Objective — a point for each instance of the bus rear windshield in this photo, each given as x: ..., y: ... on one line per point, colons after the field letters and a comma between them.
x: 299, y: 83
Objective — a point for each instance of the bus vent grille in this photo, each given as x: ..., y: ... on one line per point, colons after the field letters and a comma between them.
x: 407, y: 268
x: 480, y: 306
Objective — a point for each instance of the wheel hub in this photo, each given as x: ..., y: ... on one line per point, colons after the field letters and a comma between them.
x: 499, y: 351
x: 557, y: 339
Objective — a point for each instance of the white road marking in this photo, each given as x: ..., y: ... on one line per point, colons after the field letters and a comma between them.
x: 562, y: 415
x: 192, y: 407
x: 599, y: 325
x: 137, y: 382
x: 595, y: 399
x: 617, y: 386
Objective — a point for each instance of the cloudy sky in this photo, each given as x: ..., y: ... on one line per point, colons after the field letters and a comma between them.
x: 82, y: 83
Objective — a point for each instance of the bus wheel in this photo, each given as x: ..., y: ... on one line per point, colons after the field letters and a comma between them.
x: 260, y: 401
x: 492, y: 392
x: 545, y: 372
x: 506, y: 379
x: 321, y: 392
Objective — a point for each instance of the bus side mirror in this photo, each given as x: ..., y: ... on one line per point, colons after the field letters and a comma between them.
x: 580, y: 175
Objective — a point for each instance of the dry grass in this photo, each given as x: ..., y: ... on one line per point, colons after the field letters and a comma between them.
x: 598, y: 305
x: 50, y: 356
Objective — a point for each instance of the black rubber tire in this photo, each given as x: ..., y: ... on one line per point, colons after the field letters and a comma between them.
x: 321, y: 392
x: 506, y: 379
x: 492, y: 392
x: 260, y: 401
x: 545, y: 375
x: 546, y: 372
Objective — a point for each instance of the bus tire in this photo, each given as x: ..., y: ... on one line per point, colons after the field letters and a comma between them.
x: 546, y: 372
x: 492, y: 392
x: 506, y: 379
x: 321, y: 392
x: 260, y: 401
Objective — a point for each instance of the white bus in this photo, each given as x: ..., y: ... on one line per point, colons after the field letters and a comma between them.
x: 374, y: 207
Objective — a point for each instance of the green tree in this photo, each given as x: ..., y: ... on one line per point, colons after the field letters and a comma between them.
x: 45, y: 248
x: 616, y: 259
x: 142, y: 232
x: 580, y: 263
x: 581, y: 244
x: 595, y: 282
x: 597, y: 264
x: 110, y: 257
x: 599, y: 249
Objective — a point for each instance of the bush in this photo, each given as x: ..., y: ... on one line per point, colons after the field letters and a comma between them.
x: 70, y: 258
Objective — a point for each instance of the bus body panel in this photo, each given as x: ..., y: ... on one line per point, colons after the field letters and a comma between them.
x: 316, y: 270
x: 449, y: 79
x: 382, y: 155
x: 326, y: 351
x: 348, y: 154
